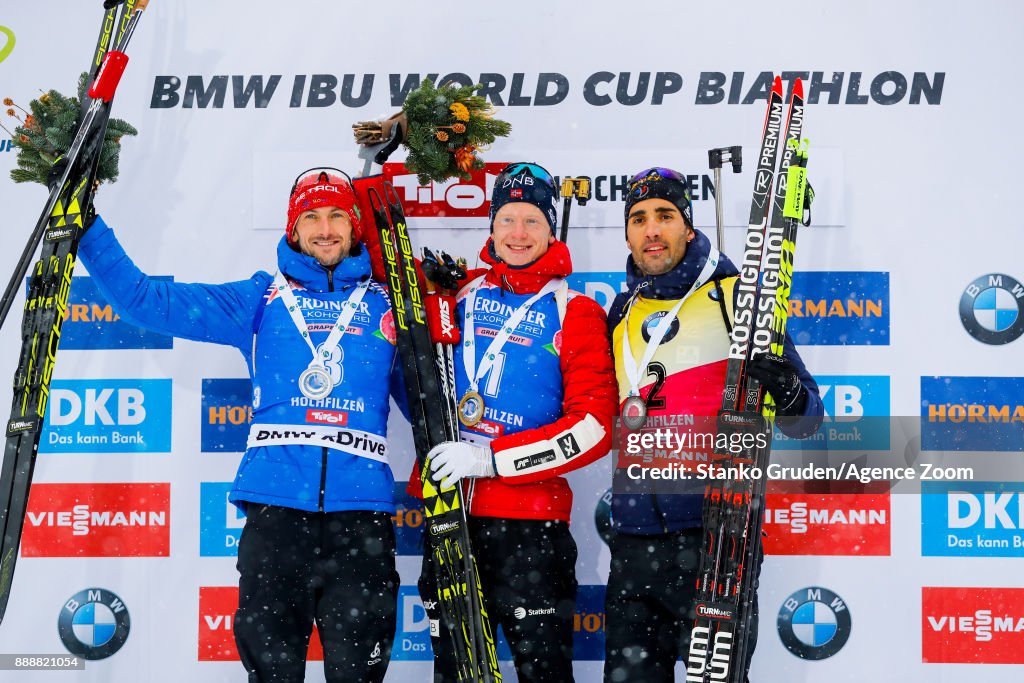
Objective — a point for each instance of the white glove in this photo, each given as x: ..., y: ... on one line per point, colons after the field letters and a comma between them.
x: 452, y: 460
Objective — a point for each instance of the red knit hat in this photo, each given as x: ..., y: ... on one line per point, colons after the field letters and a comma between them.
x: 316, y: 188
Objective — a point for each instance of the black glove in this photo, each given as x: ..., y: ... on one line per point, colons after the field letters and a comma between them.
x: 779, y: 376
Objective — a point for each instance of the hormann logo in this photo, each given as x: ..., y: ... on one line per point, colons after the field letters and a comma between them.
x: 972, y: 413
x: 972, y: 625
x: 839, y: 308
x: 225, y: 414
x: 91, y: 322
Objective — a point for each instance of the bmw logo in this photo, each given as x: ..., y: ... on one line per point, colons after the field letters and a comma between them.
x: 992, y: 309
x: 93, y: 624
x: 814, y: 623
x: 650, y: 321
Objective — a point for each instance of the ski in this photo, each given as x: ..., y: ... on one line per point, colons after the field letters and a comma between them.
x: 59, y: 229
x: 429, y: 378
x: 732, y: 508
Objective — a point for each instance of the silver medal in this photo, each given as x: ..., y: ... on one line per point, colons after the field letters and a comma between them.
x: 634, y: 413
x: 315, y: 382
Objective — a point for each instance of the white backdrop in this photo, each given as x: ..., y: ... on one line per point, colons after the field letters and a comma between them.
x: 916, y: 195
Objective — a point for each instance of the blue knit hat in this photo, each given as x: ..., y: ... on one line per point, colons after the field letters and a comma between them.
x: 525, y: 182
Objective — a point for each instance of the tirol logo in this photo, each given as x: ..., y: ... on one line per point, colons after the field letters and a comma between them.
x: 972, y: 413
x: 93, y: 624
x: 220, y: 521
x: 108, y: 416
x: 217, y: 606
x: 992, y: 309
x: 91, y: 322
x: 814, y: 623
x: 856, y: 522
x: 226, y: 414
x: 98, y: 520
x: 848, y: 400
x: 972, y: 519
x: 972, y: 625
x: 839, y: 308
x: 448, y: 199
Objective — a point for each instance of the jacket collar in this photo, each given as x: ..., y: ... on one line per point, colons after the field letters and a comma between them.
x: 528, y: 279
x: 306, y: 271
x: 677, y: 282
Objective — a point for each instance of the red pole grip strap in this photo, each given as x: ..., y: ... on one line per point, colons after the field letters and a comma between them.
x: 108, y: 76
x: 441, y: 319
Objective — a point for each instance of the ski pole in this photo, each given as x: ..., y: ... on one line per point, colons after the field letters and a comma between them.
x: 573, y: 187
x: 716, y: 157
x: 101, y: 92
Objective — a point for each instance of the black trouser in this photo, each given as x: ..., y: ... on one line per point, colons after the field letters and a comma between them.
x: 337, y: 568
x: 528, y: 573
x: 649, y: 603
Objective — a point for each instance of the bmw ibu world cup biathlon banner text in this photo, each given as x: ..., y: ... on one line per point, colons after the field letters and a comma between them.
x: 906, y: 304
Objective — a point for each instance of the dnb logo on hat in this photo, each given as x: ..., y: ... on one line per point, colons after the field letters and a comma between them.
x: 93, y: 624
x: 992, y: 309
x: 814, y: 623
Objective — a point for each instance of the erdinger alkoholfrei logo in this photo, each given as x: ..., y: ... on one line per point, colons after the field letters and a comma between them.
x: 992, y: 309
x: 814, y: 623
x: 93, y: 623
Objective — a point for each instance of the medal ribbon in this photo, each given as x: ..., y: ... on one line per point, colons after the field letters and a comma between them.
x: 661, y: 328
x: 348, y: 309
x: 474, y: 373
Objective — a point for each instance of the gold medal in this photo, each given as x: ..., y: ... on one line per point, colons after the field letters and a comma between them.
x: 471, y: 408
x: 634, y: 413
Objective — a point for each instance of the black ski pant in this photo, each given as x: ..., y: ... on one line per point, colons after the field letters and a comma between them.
x: 649, y: 605
x: 335, y: 568
x: 528, y: 571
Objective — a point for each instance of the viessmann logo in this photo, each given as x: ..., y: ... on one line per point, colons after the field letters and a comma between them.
x: 98, y: 520
x: 833, y: 524
x: 972, y: 625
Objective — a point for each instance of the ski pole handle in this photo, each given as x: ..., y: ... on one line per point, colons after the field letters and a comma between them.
x: 573, y: 187
x: 716, y: 157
